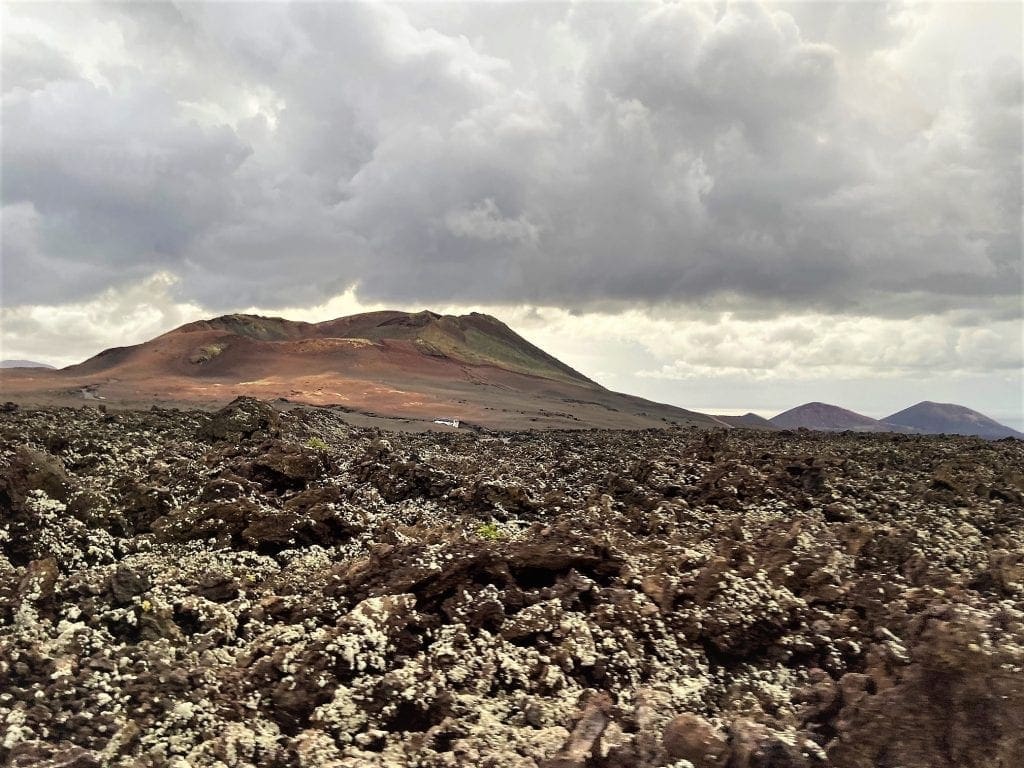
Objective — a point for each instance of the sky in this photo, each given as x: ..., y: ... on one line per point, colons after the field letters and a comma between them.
x: 726, y: 206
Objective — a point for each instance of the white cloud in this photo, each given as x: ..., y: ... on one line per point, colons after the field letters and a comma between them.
x: 64, y: 334
x: 484, y: 221
x: 827, y: 157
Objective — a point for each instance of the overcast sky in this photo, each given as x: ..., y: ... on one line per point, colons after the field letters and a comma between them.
x: 723, y: 206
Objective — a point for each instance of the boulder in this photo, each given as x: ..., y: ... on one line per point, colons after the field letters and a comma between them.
x: 691, y: 737
x: 241, y: 419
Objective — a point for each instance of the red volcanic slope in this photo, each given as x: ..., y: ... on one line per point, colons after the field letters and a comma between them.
x: 420, y: 366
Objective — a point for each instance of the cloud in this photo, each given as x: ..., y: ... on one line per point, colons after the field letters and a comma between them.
x: 751, y: 154
x: 741, y: 194
x: 827, y: 348
x: 485, y: 222
x: 119, y: 188
x: 69, y: 333
x: 29, y: 62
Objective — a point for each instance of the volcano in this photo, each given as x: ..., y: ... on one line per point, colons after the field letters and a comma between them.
x: 411, y: 366
x: 831, y: 418
x: 951, y: 419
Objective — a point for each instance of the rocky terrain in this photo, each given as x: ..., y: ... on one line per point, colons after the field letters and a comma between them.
x: 254, y: 588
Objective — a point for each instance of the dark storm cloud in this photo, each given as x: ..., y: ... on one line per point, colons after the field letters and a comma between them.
x: 579, y: 155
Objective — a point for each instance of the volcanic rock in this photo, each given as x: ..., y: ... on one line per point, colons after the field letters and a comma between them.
x: 691, y: 737
x: 330, y: 596
x: 242, y: 418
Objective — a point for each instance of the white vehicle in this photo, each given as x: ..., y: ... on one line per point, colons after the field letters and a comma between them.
x: 448, y: 422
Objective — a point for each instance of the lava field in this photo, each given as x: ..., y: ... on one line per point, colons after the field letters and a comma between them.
x: 262, y: 588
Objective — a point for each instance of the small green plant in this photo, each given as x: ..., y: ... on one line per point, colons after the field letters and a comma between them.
x: 317, y: 444
x: 490, y: 532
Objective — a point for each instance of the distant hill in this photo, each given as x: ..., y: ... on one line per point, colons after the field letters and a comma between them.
x: 831, y: 418
x: 474, y: 339
x: 419, y: 366
x: 23, y: 364
x: 748, y: 421
x: 950, y: 419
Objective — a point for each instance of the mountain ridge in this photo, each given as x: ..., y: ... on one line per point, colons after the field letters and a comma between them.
x: 415, y: 366
x: 420, y: 366
x: 924, y: 418
x: 748, y: 420
x: 827, y: 417
x: 950, y: 418
x: 24, y: 364
x: 455, y: 336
